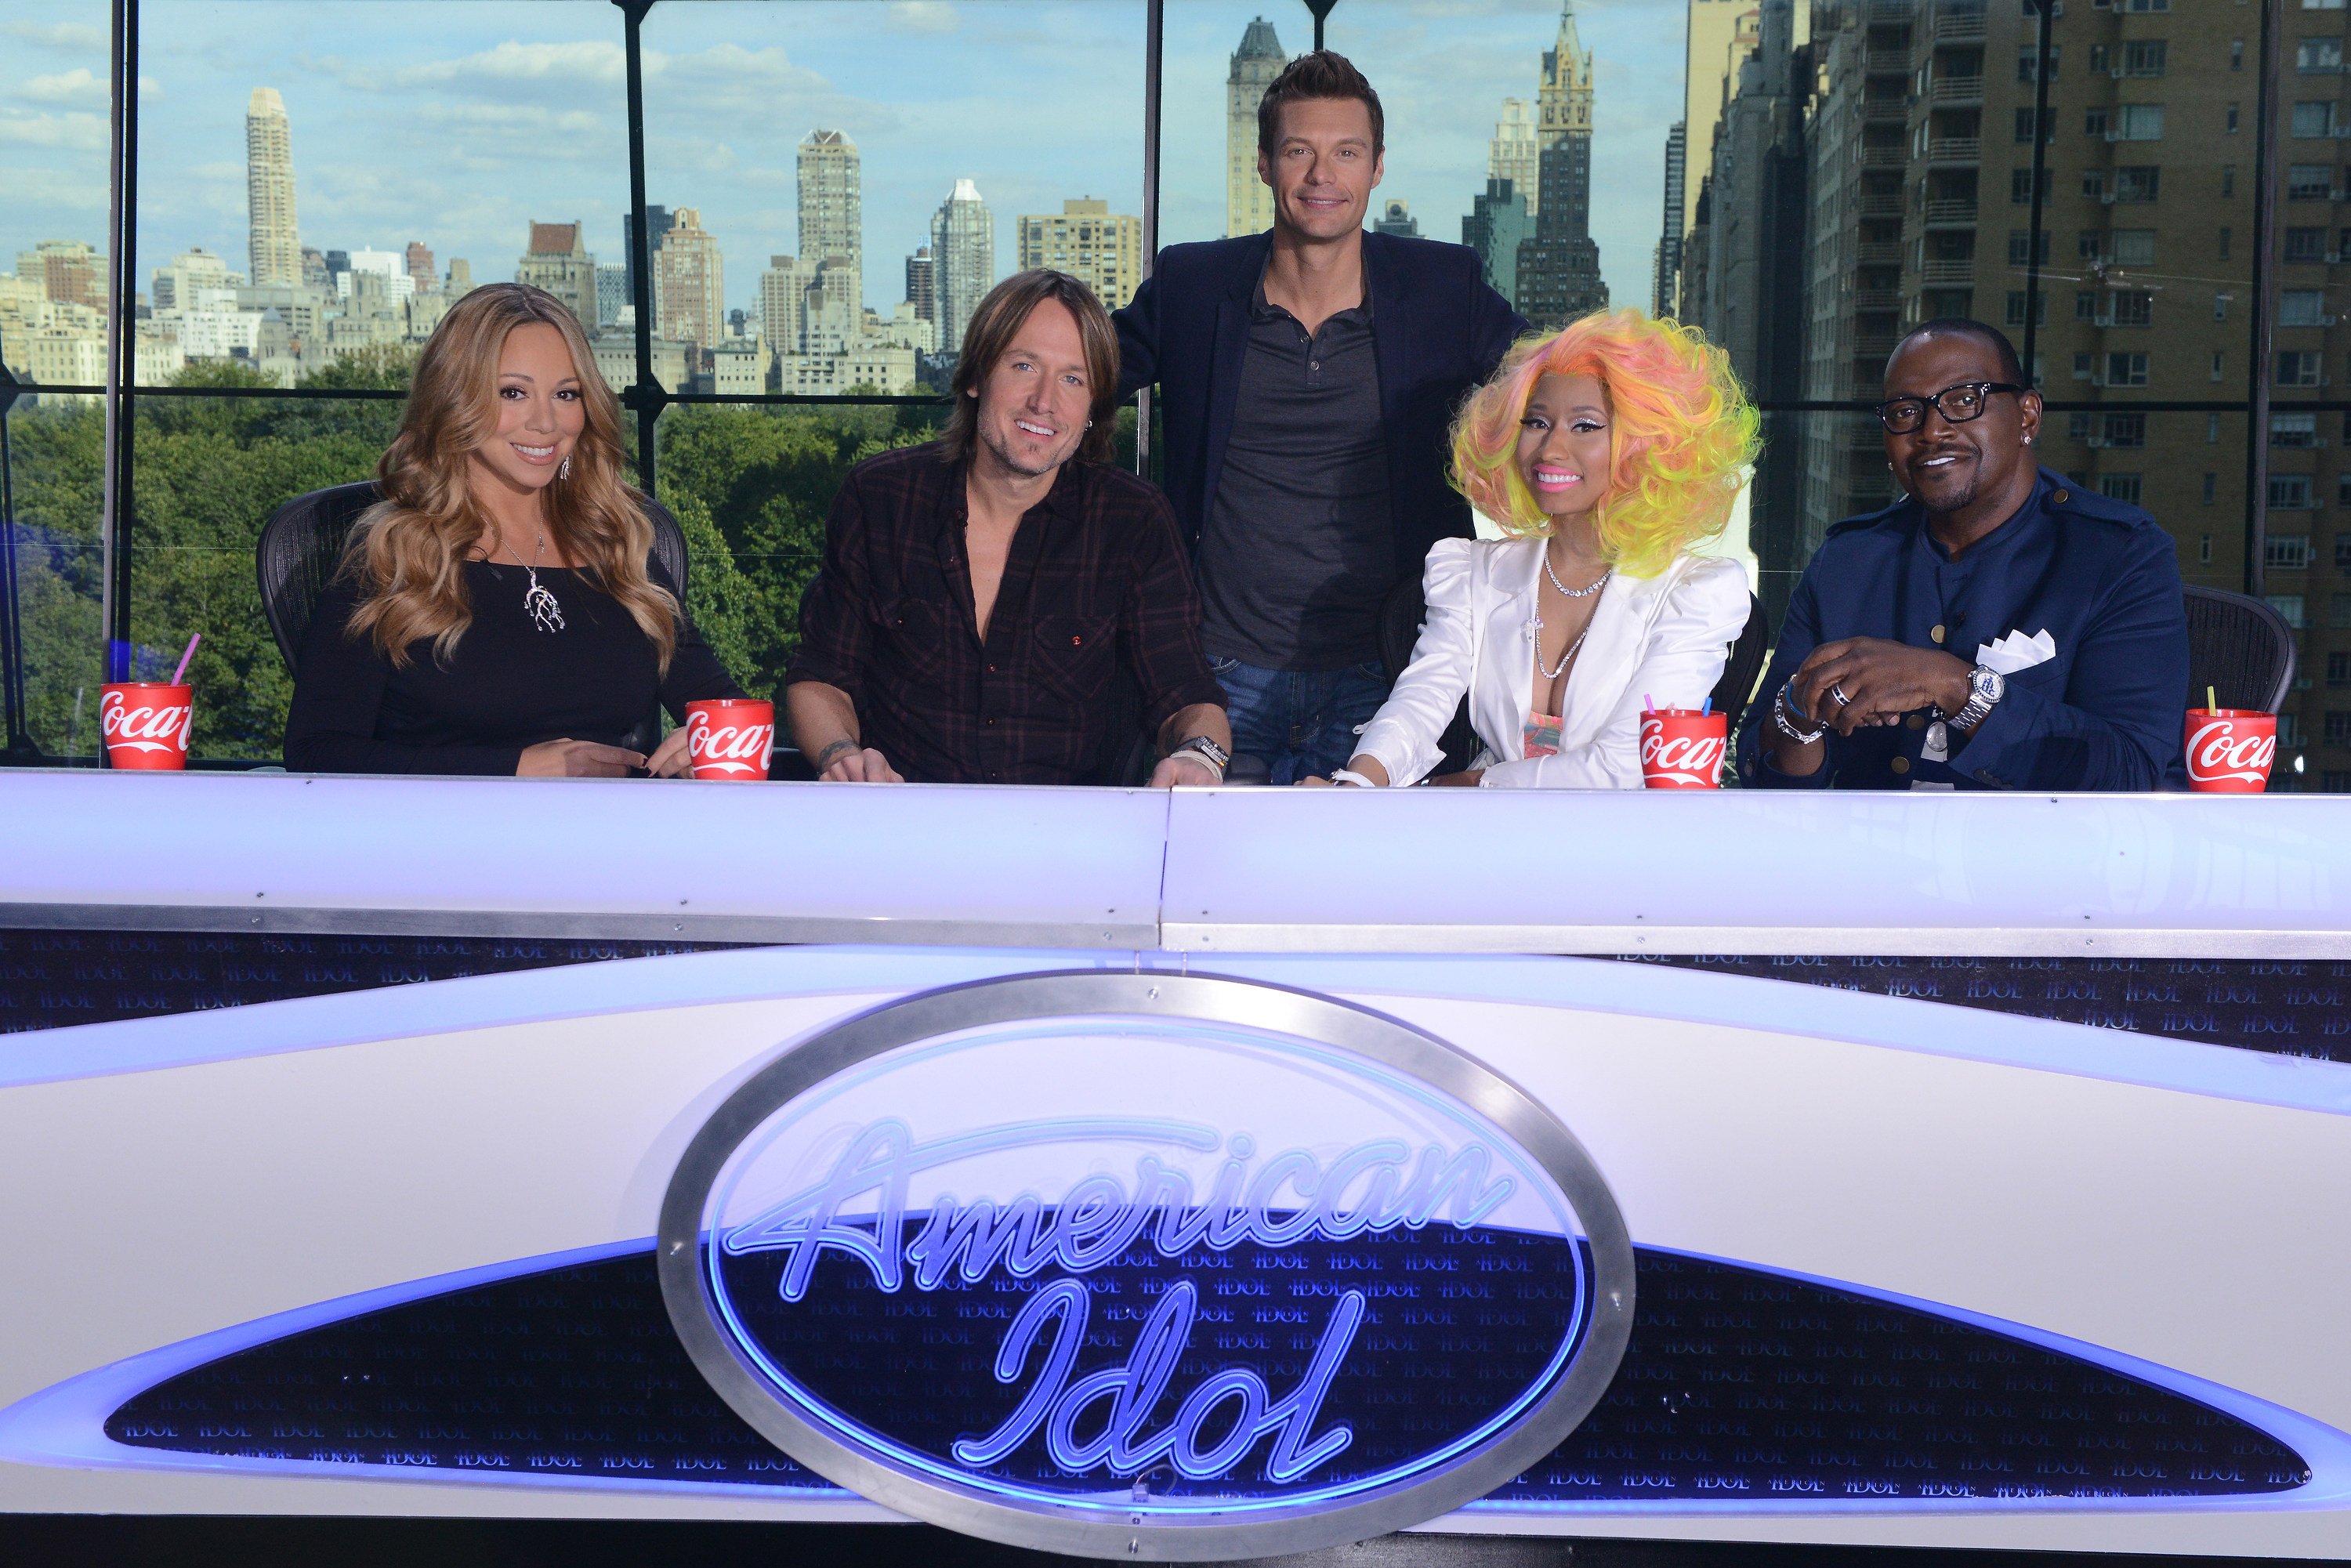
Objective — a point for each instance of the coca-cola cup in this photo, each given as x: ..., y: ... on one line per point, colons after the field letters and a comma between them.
x: 2230, y: 749
x: 1682, y: 749
x: 146, y: 723
x: 730, y: 737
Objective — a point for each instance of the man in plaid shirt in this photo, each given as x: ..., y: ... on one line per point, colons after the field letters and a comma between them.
x: 981, y: 596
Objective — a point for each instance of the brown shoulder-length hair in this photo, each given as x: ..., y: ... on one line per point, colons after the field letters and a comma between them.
x: 989, y: 334
x: 408, y: 551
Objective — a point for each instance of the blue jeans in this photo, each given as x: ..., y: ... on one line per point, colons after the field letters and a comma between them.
x: 1299, y: 724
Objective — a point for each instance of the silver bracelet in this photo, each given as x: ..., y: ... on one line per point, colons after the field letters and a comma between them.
x: 1779, y: 717
x: 1349, y: 776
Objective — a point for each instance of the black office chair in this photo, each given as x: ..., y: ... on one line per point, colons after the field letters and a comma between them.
x: 301, y: 548
x: 2239, y: 647
x: 1737, y: 687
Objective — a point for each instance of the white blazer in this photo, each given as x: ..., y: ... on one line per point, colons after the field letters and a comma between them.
x: 1663, y: 638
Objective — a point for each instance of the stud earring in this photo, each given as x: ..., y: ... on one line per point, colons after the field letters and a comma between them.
x: 2028, y: 441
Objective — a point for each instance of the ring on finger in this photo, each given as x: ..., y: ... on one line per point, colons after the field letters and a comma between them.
x: 1836, y: 696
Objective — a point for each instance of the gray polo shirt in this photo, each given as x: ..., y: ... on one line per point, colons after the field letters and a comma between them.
x: 1298, y: 546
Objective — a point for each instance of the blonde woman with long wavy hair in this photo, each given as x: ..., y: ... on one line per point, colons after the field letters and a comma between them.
x: 500, y: 610
x: 1608, y: 452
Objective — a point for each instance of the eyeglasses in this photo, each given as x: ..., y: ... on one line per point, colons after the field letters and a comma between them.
x: 1958, y: 404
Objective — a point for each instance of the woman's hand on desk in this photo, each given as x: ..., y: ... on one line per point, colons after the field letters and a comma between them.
x: 580, y: 759
x: 671, y: 758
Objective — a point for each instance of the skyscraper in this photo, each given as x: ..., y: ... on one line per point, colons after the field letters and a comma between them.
x: 963, y: 248
x: 689, y: 283
x: 1498, y: 221
x: 1714, y: 30
x: 923, y: 285
x: 783, y: 303
x: 558, y: 262
x: 1397, y: 218
x: 419, y: 256
x: 1101, y: 248
x: 277, y: 254
x: 612, y: 293
x: 831, y: 207
x: 1669, y: 261
x: 1514, y: 153
x: 1559, y: 269
x: 1249, y: 201
x: 657, y: 222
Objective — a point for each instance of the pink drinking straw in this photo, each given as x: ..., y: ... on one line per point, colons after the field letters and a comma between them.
x: 1648, y: 702
x: 184, y: 658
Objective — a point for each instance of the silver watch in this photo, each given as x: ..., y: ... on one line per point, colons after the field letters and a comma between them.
x: 1207, y: 750
x: 1985, y: 687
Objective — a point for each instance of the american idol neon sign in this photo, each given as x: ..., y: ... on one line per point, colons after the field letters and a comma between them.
x: 1146, y: 1266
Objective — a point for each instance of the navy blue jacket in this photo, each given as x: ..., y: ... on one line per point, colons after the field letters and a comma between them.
x: 1438, y: 330
x: 2101, y: 577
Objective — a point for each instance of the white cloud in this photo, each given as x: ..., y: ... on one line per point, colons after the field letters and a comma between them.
x: 585, y: 60
x: 74, y: 132
x: 64, y: 86
x: 922, y: 16
x: 56, y: 34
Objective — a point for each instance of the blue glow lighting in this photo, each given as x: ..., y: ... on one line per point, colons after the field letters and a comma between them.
x: 1320, y: 1228
x: 2149, y: 1411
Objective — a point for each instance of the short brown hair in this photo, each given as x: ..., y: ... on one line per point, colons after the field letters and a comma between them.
x: 1323, y: 74
x: 989, y: 333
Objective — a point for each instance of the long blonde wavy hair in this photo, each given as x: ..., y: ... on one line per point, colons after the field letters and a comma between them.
x: 408, y: 551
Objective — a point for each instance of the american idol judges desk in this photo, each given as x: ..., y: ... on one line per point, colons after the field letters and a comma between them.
x: 1003, y: 605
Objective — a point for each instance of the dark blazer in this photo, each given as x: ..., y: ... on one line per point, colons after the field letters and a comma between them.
x: 2100, y: 576
x: 1438, y: 329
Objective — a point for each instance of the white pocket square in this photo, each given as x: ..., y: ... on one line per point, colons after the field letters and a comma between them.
x: 2015, y: 651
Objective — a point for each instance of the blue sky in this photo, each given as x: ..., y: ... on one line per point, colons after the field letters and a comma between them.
x: 459, y: 123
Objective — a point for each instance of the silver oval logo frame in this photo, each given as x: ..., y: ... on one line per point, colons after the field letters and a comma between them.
x: 1094, y: 1526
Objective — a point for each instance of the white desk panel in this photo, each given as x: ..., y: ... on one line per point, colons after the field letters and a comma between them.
x: 581, y: 857
x: 1739, y: 872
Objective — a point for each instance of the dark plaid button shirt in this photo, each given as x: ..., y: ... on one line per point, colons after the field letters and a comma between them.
x: 1095, y: 580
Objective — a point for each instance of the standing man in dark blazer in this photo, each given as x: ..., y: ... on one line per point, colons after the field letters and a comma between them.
x: 1308, y: 376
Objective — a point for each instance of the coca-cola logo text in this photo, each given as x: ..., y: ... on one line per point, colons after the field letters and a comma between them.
x: 728, y: 749
x: 1690, y: 759
x: 2216, y: 751
x: 150, y: 726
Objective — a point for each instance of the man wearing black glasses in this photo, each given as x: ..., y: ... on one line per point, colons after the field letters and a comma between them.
x: 1998, y: 628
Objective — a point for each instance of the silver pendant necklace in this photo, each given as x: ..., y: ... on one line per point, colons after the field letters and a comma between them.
x: 1584, y: 593
x: 545, y: 613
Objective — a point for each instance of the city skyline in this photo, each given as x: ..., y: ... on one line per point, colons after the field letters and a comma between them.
x: 706, y: 96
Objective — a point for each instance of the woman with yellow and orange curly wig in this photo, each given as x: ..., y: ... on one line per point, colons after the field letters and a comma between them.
x: 1606, y: 452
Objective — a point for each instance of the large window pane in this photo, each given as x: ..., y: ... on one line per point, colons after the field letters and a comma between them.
x: 2306, y: 561
x: 318, y: 182
x: 835, y: 184
x: 210, y: 472
x: 54, y: 446
x: 53, y: 152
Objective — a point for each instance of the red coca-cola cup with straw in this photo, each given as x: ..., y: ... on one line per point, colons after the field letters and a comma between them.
x: 2230, y: 749
x: 146, y: 723
x: 730, y: 737
x: 1683, y: 747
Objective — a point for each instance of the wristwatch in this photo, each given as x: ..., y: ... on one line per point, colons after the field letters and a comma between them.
x: 1207, y: 751
x: 1985, y: 687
